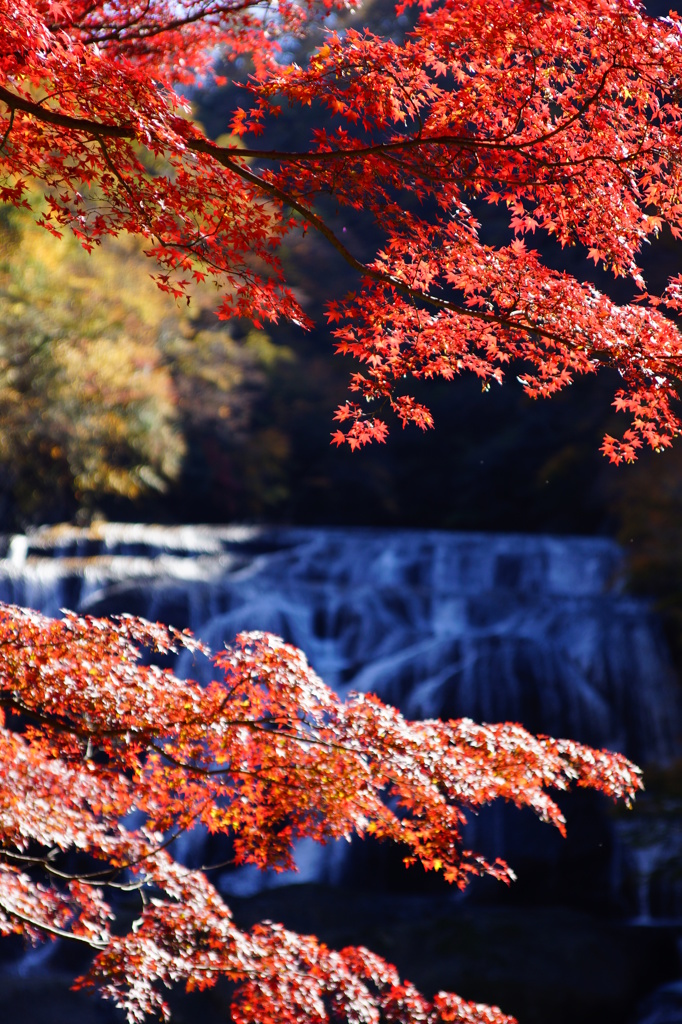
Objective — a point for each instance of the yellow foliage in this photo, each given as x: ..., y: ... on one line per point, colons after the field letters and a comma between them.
x: 101, y: 374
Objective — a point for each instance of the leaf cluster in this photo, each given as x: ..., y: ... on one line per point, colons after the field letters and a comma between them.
x: 91, y: 732
x: 567, y: 115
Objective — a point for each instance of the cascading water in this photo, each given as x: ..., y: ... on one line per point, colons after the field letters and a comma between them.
x: 494, y: 627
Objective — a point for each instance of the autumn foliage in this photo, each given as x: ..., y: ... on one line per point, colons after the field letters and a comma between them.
x: 108, y: 389
x: 106, y: 759
x: 567, y: 114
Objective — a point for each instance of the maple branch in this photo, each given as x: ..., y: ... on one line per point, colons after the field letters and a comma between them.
x: 9, y: 129
x: 100, y: 877
x: 256, y: 774
x: 531, y: 90
x: 230, y: 159
x: 96, y: 128
x: 225, y: 155
x: 59, y: 933
x: 87, y: 878
x: 521, y: 326
x: 124, y: 31
x: 62, y: 724
x: 381, y: 277
x: 116, y: 33
x: 460, y: 141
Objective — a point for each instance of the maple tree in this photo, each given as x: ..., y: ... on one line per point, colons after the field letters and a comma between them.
x: 566, y: 113
x: 91, y: 732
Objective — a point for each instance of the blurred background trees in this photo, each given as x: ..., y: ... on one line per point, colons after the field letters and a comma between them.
x: 110, y: 396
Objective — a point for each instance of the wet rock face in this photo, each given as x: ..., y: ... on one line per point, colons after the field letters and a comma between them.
x: 664, y: 1006
x: 493, y: 627
x: 533, y: 629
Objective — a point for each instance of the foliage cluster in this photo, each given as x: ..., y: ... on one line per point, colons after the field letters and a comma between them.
x: 565, y: 116
x: 266, y: 754
x: 106, y: 388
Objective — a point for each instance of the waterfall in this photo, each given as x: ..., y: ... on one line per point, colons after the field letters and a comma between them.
x: 664, y: 1006
x: 533, y: 629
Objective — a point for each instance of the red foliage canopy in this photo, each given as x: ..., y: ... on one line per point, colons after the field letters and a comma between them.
x: 266, y: 754
x: 567, y: 113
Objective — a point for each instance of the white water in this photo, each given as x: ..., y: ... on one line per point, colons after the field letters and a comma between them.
x: 531, y: 629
